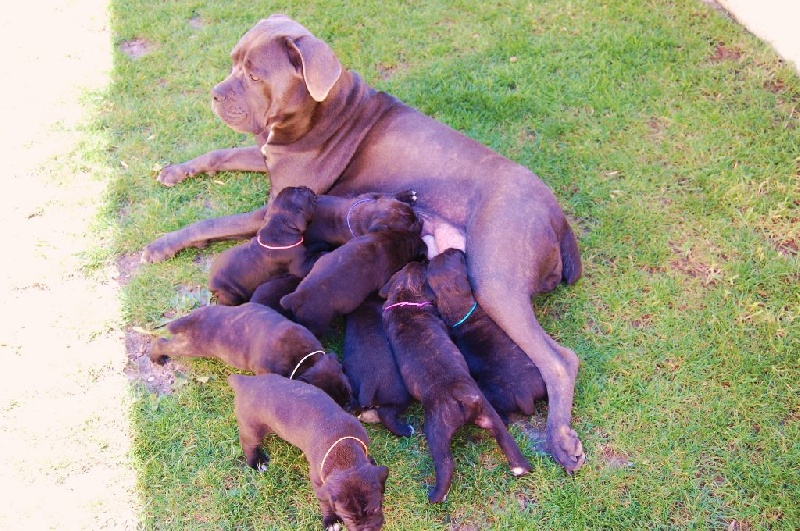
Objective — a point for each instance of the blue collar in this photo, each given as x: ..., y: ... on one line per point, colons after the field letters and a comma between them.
x: 466, y: 316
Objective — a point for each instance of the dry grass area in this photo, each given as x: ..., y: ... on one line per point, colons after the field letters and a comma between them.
x: 64, y: 432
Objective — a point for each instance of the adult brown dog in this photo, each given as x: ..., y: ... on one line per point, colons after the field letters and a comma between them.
x: 318, y: 124
x: 349, y: 486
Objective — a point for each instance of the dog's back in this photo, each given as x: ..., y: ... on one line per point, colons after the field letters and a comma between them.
x: 342, y: 279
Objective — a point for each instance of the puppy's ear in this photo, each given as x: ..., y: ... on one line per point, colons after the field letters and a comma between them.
x: 383, y: 473
x: 320, y: 66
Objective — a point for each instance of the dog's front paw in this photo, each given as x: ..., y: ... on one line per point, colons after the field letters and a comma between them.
x: 332, y: 523
x: 158, y: 251
x: 174, y: 173
x: 566, y: 448
x: 409, y: 196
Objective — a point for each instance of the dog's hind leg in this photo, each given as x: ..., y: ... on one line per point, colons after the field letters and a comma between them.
x: 504, y: 276
x: 388, y: 416
x: 439, y: 434
x: 489, y: 420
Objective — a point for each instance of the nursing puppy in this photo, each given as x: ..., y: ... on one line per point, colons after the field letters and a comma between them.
x: 435, y: 373
x: 272, y: 291
x: 342, y: 279
x: 508, y: 378
x: 255, y: 338
x: 278, y: 249
x: 337, y: 220
x: 369, y: 364
x: 348, y: 484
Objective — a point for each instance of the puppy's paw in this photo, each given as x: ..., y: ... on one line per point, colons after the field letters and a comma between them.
x: 369, y: 416
x: 566, y: 448
x: 335, y: 527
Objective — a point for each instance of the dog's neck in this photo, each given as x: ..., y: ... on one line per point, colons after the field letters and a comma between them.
x: 456, y: 310
x: 346, y: 452
x: 340, y: 123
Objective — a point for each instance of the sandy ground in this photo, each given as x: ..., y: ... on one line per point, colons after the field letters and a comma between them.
x: 64, y: 431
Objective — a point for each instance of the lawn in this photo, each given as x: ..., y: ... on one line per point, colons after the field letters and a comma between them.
x: 670, y: 136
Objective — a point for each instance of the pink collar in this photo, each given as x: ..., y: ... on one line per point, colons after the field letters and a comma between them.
x: 277, y: 248
x: 404, y: 303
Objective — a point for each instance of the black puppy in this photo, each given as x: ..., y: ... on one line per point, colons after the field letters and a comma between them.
x: 436, y: 374
x: 255, y: 338
x: 369, y: 365
x: 506, y: 375
x: 349, y: 486
x: 342, y: 279
x: 278, y: 249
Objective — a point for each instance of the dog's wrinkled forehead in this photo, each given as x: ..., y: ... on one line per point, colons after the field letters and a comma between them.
x: 267, y: 29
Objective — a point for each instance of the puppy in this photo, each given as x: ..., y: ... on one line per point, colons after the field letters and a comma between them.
x: 337, y: 220
x: 270, y: 292
x: 255, y: 338
x: 342, y: 279
x: 346, y: 481
x: 278, y: 249
x: 436, y: 374
x: 508, y: 378
x: 369, y: 365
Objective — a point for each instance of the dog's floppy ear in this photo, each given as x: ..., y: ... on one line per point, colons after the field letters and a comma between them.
x: 321, y: 68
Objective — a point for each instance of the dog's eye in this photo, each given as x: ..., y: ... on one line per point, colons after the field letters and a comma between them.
x: 254, y: 77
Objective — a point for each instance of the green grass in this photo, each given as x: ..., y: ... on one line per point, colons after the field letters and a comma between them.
x: 670, y: 136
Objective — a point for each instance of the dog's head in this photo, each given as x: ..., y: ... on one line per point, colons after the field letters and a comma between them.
x: 328, y: 375
x: 385, y: 212
x: 288, y: 216
x: 407, y: 285
x: 447, y: 277
x: 356, y: 495
x: 280, y: 72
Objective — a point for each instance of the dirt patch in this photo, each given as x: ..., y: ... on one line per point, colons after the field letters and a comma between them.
x: 197, y: 22
x: 725, y: 53
x: 691, y: 265
x: 135, y: 48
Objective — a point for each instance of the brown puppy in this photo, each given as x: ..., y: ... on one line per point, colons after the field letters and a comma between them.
x: 270, y: 292
x: 342, y: 279
x: 317, y: 124
x: 348, y: 485
x: 369, y: 365
x: 255, y: 338
x: 337, y: 220
x: 508, y: 378
x: 278, y: 249
x: 435, y: 373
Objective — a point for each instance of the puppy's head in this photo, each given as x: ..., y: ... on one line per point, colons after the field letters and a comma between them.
x: 327, y: 374
x: 280, y: 72
x: 407, y: 285
x: 385, y: 212
x: 356, y: 495
x: 184, y: 332
x: 287, y: 216
x: 447, y: 277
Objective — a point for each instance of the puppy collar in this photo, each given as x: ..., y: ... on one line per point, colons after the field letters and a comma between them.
x: 405, y: 303
x: 325, y: 457
x: 349, y: 210
x: 277, y: 248
x: 304, y: 358
x: 466, y: 316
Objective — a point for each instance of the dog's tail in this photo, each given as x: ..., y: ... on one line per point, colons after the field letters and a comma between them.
x: 571, y: 265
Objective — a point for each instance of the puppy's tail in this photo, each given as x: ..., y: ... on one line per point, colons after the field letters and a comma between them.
x: 571, y: 265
